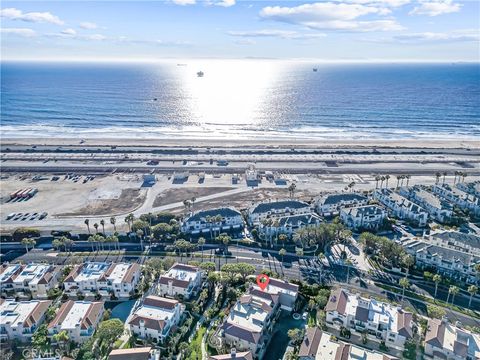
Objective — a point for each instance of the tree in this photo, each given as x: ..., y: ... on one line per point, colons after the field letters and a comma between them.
x: 387, y: 177
x: 40, y: 338
x: 113, y: 222
x: 239, y: 269
x: 96, y: 227
x: 87, y: 222
x: 27, y: 242
x: 453, y: 290
x: 129, y: 220
x: 295, y: 335
x: 472, y: 290
x: 436, y: 279
x: 208, y: 266
x: 291, y: 189
x: 282, y: 253
x: 91, y: 240
x: 109, y: 330
x: 408, y: 262
x: 348, y: 264
x: 201, y: 242
x: 62, y: 339
x: 102, y: 222
x: 404, y: 283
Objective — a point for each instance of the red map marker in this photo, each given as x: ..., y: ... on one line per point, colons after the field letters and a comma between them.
x: 262, y: 281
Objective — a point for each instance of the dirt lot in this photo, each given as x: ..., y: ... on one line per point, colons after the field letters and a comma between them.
x: 128, y: 201
x: 174, y: 195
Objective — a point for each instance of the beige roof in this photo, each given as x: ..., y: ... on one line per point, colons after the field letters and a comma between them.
x: 130, y: 354
x: 337, y: 301
x: 310, y: 343
x: 247, y: 355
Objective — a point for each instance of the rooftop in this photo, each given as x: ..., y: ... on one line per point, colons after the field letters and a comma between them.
x: 278, y: 205
x: 331, y: 199
x: 142, y: 353
x: 223, y: 212
x: 77, y: 313
x: 25, y: 313
x: 365, y: 210
x: 400, y: 200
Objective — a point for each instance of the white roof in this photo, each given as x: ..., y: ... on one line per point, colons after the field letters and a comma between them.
x: 182, y: 274
x: 15, y: 313
x: 453, y: 333
x: 155, y: 312
x: 9, y: 270
x: 92, y: 271
x: 118, y: 273
x: 75, y: 315
x: 248, y: 316
x: 32, y: 273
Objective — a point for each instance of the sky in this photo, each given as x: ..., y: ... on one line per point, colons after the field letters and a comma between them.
x: 329, y: 30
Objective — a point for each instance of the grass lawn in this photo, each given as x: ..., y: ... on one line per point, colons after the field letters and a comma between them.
x: 196, y: 344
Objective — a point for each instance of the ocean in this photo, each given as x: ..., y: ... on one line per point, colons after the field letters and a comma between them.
x: 241, y: 99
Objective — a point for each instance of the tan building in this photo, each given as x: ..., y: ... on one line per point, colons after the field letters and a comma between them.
x: 180, y: 279
x: 143, y: 353
x: 35, y: 279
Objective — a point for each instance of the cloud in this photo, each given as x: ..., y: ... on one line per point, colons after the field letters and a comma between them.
x: 36, y: 17
x: 224, y: 3
x: 435, y: 7
x: 184, y: 2
x: 453, y: 36
x: 24, y: 32
x: 332, y: 16
x: 69, y: 32
x: 245, y: 42
x: 94, y: 37
x: 283, y: 34
x: 388, y: 3
x: 88, y: 25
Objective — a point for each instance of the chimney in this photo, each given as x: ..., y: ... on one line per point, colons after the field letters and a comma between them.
x: 233, y: 353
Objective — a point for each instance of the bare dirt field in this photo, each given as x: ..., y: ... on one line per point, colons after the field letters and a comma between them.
x: 129, y: 200
x: 170, y: 196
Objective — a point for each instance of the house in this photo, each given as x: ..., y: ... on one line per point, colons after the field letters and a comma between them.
x: 78, y: 319
x: 462, y: 199
x: 34, y: 279
x: 213, y: 221
x: 155, y: 318
x: 401, y: 207
x: 456, y: 263
x: 366, y: 217
x: 472, y: 188
x: 233, y: 355
x: 180, y: 279
x: 275, y: 210
x: 438, y: 208
x: 445, y: 341
x: 288, y: 224
x: 331, y: 204
x: 319, y: 345
x: 287, y: 293
x: 378, y: 319
x: 106, y: 279
x: 20, y: 319
x: 142, y: 353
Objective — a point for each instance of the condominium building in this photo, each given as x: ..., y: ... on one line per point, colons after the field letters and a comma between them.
x: 319, y: 345
x: 106, y: 279
x: 366, y: 217
x: 378, y: 319
x: 180, y: 279
x: 285, y: 292
x: 473, y: 188
x: 19, y: 320
x: 142, y: 353
x: 34, y: 279
x: 78, y: 319
x: 233, y: 355
x: 446, y: 341
x: 332, y: 204
x: 460, y: 198
x: 213, y: 221
x: 276, y: 209
x: 438, y: 208
x: 401, y: 207
x: 288, y: 224
x: 155, y: 318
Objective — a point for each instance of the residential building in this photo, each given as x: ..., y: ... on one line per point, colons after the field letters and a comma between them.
x: 275, y: 210
x: 379, y: 320
x: 155, y: 318
x: 366, y: 217
x: 319, y: 345
x: 78, y: 319
x: 473, y: 188
x: 401, y: 207
x: 35, y: 279
x: 142, y: 353
x: 449, y: 261
x: 287, y: 293
x: 19, y: 320
x: 233, y: 355
x: 213, y: 221
x: 332, y: 204
x: 438, y: 208
x: 103, y: 278
x: 462, y: 199
x: 180, y: 279
x: 288, y: 224
x: 446, y: 341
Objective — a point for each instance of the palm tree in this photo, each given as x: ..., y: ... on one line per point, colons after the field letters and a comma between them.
x: 91, y: 240
x: 193, y: 199
x: 382, y: 179
x: 27, y: 242
x: 444, y: 174
x: 96, y: 227
x: 386, y: 178
x: 291, y: 189
x: 453, y: 290
x: 113, y: 221
x: 464, y: 175
x: 282, y: 252
x: 129, y: 220
x: 351, y: 185
x: 408, y: 262
x: 377, y: 179
x: 102, y: 222
x: 404, y: 283
x: 282, y: 238
x: 408, y: 179
x: 437, y: 176
x: 437, y: 279
x: 472, y: 290
x: 398, y: 180
x: 87, y: 222
x: 225, y: 240
x: 201, y: 242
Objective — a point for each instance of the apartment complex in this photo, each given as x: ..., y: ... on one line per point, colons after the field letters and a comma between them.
x: 401, y: 207
x: 142, y: 353
x: 19, y: 320
x: 366, y: 217
x: 78, y: 319
x: 155, y: 318
x: 213, y: 221
x: 275, y: 210
x: 380, y: 320
x: 472, y: 188
x: 180, y: 279
x: 438, y: 208
x: 332, y: 204
x: 233, y: 355
x: 460, y: 198
x: 446, y: 341
x: 106, y: 279
x: 35, y: 279
x: 288, y: 224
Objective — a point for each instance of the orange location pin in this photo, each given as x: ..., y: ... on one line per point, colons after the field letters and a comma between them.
x: 262, y: 281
